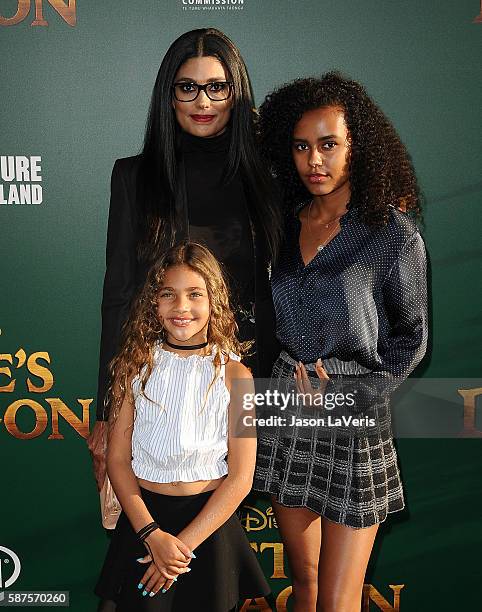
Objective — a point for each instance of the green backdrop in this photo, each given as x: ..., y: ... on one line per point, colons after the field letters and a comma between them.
x: 76, y: 95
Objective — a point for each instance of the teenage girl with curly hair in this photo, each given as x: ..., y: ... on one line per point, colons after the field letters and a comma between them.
x: 349, y: 290
x: 175, y: 463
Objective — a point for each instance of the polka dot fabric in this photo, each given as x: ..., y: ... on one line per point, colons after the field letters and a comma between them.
x: 362, y: 298
x: 361, y: 306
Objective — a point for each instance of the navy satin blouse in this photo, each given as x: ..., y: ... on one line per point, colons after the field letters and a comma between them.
x: 362, y: 298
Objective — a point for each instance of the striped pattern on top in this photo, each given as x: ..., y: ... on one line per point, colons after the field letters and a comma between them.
x: 180, y: 434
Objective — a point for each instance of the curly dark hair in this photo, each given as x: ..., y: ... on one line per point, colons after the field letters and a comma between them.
x: 380, y: 168
x: 143, y: 329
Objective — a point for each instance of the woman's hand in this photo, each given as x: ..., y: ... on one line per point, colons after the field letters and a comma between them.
x: 169, y: 555
x: 303, y: 384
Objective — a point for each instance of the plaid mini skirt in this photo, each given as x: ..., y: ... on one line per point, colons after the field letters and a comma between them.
x: 349, y: 479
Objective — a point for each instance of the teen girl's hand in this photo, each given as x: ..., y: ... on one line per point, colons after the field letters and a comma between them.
x: 303, y: 384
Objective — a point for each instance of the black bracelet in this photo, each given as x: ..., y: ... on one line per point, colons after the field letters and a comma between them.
x: 146, y: 531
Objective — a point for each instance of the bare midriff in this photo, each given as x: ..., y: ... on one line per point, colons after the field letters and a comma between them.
x: 180, y: 488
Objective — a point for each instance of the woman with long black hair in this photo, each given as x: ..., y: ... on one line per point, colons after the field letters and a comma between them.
x: 198, y: 177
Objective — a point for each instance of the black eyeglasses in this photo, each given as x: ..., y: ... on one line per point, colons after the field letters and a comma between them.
x: 216, y: 91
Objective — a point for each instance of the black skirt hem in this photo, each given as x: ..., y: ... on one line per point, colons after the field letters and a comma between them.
x: 224, y: 572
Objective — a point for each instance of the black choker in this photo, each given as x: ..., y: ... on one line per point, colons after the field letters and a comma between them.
x: 193, y: 347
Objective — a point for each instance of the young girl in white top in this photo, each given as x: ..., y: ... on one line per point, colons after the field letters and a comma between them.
x: 178, y: 546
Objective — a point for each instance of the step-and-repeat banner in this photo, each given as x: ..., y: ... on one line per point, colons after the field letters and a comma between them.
x: 76, y: 79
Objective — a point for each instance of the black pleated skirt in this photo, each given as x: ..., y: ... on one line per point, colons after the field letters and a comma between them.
x: 224, y: 571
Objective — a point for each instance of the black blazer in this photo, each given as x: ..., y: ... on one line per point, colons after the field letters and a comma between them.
x: 125, y: 275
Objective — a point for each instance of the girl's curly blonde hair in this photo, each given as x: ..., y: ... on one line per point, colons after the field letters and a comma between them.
x: 143, y: 328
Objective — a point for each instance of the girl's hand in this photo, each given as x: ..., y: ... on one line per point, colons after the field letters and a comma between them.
x: 167, y: 552
x: 303, y: 384
x: 153, y: 581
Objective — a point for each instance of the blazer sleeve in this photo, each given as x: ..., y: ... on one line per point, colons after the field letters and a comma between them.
x: 119, y: 280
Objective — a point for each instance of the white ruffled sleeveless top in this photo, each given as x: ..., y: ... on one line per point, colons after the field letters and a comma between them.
x: 182, y: 435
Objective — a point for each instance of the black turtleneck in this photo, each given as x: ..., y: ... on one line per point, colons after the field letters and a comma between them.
x: 217, y: 213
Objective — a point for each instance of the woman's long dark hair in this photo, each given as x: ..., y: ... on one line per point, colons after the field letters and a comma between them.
x: 159, y: 185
